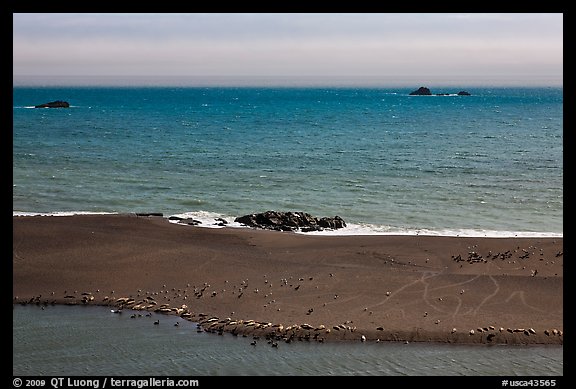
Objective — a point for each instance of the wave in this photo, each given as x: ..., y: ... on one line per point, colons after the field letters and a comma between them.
x: 207, y: 219
x: 61, y: 213
x: 32, y: 106
x: 372, y: 229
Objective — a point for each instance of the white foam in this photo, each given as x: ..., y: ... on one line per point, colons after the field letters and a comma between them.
x: 207, y: 219
x: 63, y: 213
x: 371, y: 229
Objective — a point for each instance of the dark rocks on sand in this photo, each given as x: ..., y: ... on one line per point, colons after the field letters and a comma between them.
x: 463, y: 93
x: 290, y: 221
x: 422, y: 91
x: 54, y: 104
x: 190, y: 222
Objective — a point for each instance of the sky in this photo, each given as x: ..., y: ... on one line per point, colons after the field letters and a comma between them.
x: 307, y: 48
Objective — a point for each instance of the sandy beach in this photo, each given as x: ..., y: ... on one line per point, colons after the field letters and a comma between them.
x: 294, y: 286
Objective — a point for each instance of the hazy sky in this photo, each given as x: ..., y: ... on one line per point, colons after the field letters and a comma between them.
x: 413, y: 49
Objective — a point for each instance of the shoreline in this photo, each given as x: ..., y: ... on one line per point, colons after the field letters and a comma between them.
x: 213, y: 220
x: 294, y: 286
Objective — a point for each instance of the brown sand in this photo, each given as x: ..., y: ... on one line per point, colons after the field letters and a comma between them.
x: 404, y: 288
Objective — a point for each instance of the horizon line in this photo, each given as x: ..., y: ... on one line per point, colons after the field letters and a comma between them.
x: 286, y: 80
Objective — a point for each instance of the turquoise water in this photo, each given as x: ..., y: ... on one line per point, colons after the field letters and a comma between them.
x: 490, y: 163
x: 77, y: 340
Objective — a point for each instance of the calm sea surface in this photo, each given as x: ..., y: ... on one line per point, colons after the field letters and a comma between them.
x: 76, y: 340
x: 486, y: 164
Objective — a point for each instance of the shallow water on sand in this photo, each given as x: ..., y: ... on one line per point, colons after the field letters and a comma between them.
x: 77, y: 340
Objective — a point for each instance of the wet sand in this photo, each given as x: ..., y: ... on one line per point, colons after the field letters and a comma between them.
x: 297, y: 287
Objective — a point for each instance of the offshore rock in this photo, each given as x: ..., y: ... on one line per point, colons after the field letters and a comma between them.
x: 422, y: 91
x: 54, y: 104
x: 290, y: 221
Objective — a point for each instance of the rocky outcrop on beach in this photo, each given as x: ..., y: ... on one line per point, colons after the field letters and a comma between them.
x: 290, y: 221
x: 463, y: 93
x: 54, y: 104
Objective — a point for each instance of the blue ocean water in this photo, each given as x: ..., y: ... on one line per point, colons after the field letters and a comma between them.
x: 386, y: 162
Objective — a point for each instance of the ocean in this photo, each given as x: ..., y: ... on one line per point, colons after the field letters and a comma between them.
x: 489, y: 164
x: 92, y: 341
